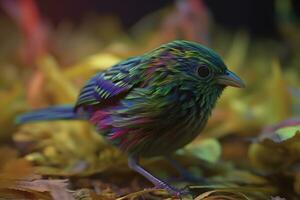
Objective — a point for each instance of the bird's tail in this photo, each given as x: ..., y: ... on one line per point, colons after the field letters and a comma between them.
x: 50, y: 113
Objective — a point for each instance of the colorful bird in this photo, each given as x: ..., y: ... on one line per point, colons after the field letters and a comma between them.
x: 150, y: 105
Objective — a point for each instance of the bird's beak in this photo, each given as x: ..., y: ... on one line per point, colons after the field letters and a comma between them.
x: 230, y: 79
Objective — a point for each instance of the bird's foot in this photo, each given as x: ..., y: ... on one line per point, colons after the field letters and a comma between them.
x: 172, y: 190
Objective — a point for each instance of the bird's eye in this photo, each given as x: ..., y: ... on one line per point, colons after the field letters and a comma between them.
x: 203, y: 71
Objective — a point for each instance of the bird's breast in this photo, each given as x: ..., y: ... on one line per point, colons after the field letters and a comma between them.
x: 148, y: 126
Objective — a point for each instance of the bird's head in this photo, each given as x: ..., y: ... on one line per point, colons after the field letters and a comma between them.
x: 196, y: 67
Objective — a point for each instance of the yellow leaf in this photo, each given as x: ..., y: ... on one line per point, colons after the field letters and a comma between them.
x: 91, y: 65
x: 279, y: 103
x: 59, y: 85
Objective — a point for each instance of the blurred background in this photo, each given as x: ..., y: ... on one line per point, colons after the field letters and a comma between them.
x: 48, y: 49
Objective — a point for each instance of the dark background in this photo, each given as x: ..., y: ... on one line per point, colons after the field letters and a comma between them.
x: 257, y: 16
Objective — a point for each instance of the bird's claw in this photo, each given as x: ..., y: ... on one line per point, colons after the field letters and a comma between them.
x: 172, y: 190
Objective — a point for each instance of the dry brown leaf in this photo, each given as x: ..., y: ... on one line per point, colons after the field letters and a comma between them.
x: 220, y: 194
x: 276, y: 149
x: 13, y: 169
x: 135, y: 195
x: 18, y: 194
x: 57, y: 188
x: 17, y: 178
x: 6, y: 154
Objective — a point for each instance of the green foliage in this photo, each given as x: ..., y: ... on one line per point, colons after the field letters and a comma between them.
x: 207, y: 149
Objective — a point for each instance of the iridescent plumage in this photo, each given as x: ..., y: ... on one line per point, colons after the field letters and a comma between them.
x: 153, y: 104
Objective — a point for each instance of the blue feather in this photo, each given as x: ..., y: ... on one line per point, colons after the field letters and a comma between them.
x: 50, y: 113
x: 108, y: 84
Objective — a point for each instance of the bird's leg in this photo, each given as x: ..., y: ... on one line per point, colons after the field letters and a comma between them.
x: 185, y: 174
x: 159, y: 184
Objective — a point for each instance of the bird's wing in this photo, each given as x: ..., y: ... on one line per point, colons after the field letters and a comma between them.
x: 109, y: 84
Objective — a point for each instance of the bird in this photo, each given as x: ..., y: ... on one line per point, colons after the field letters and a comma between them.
x: 152, y: 104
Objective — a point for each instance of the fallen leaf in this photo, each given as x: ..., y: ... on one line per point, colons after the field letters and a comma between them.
x: 57, y: 188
